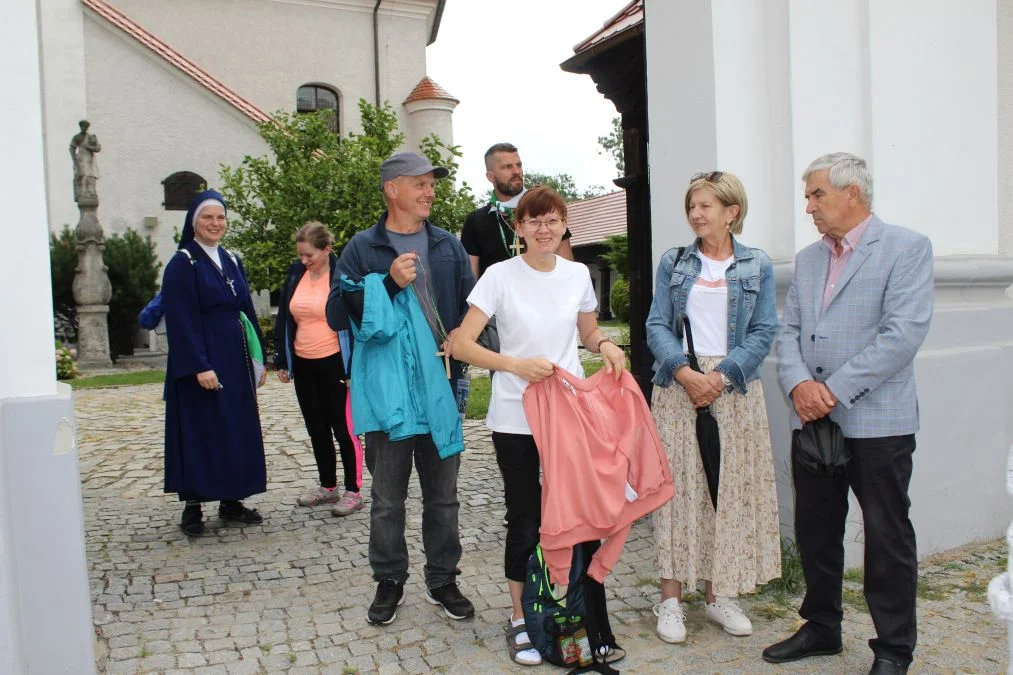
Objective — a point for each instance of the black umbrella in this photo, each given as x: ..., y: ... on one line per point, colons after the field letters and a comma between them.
x: 706, y: 428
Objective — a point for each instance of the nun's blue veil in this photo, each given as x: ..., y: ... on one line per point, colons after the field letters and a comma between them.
x: 208, y: 195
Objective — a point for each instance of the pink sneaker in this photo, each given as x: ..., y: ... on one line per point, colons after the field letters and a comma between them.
x: 350, y: 503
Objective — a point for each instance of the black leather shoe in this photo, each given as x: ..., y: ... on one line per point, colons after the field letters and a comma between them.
x: 235, y: 511
x: 883, y: 666
x: 801, y: 645
x: 192, y: 522
x: 389, y: 595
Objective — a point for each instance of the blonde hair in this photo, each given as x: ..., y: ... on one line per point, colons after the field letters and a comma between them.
x: 315, y: 234
x: 729, y: 191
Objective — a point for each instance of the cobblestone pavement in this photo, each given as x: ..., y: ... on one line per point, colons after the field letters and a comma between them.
x: 291, y: 595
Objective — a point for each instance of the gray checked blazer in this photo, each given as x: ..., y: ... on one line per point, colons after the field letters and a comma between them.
x: 863, y: 345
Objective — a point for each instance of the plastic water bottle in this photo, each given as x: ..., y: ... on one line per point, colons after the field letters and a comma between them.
x: 463, y: 390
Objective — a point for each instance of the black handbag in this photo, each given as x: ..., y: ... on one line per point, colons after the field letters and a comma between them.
x: 820, y: 448
x: 489, y: 337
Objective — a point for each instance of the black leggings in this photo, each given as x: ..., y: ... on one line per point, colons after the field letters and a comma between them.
x: 321, y: 390
x: 517, y: 457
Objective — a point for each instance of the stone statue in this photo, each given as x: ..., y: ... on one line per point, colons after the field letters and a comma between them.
x: 92, y: 290
x: 83, y: 148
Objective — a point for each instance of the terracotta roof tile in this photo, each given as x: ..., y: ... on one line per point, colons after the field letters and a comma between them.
x: 592, y: 220
x: 174, y: 58
x: 427, y: 90
x: 629, y: 16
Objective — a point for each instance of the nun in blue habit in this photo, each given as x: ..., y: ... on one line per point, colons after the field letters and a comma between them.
x: 214, y: 449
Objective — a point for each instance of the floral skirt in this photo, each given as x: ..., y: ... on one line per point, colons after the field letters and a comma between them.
x: 738, y: 547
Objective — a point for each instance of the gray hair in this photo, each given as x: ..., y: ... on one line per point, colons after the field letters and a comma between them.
x: 845, y: 169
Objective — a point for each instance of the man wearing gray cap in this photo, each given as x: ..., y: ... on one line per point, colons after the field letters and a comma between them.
x: 407, y: 249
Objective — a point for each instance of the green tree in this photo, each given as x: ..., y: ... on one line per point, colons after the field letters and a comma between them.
x: 312, y: 174
x: 617, y: 254
x: 612, y: 144
x: 62, y: 265
x: 133, y: 268
x: 564, y: 184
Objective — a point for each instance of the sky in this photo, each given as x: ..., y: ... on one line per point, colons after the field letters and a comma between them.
x: 501, y: 60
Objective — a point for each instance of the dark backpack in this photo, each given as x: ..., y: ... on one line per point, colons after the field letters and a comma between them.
x: 557, y: 626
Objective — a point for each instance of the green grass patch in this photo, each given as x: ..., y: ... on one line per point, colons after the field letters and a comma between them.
x: 927, y: 591
x: 118, y: 379
x: 855, y: 599
x: 855, y: 575
x: 783, y: 592
x: 771, y: 610
x: 648, y: 581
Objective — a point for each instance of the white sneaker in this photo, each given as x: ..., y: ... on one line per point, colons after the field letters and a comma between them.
x: 726, y: 613
x: 671, y: 621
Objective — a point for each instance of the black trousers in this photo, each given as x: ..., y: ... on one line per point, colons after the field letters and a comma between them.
x: 517, y: 457
x: 321, y: 391
x: 879, y: 474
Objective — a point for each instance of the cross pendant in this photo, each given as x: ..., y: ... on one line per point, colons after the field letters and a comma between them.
x: 232, y: 285
x: 446, y: 361
x: 516, y: 246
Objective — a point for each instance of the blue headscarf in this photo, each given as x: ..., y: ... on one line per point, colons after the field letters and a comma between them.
x: 191, y: 213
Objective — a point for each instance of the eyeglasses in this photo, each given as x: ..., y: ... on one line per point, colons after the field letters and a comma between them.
x: 535, y: 223
x: 711, y: 177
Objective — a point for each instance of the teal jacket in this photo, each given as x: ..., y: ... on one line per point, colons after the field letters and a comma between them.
x: 399, y: 386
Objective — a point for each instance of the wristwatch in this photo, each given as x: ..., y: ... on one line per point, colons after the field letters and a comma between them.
x: 725, y: 380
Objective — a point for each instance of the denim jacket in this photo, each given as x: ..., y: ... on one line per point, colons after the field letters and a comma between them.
x: 752, y: 313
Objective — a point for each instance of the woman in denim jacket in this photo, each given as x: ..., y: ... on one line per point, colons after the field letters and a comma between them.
x: 727, y: 291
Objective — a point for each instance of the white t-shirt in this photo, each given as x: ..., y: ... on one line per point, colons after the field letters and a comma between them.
x: 707, y: 308
x: 536, y: 317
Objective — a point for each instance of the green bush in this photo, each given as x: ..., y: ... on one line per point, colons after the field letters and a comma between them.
x: 619, y: 300
x: 62, y: 264
x: 133, y: 269
x: 267, y: 328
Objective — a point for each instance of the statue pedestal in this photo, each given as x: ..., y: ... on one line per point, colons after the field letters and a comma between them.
x: 93, y: 336
x: 92, y: 290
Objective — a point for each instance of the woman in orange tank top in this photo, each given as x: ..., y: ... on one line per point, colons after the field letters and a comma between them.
x: 308, y: 352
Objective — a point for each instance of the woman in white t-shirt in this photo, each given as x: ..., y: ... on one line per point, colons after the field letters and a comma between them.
x: 542, y: 303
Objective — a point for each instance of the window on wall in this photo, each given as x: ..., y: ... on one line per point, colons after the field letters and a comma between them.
x: 180, y: 188
x: 313, y: 97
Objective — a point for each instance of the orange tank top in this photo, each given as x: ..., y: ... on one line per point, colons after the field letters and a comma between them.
x: 314, y: 339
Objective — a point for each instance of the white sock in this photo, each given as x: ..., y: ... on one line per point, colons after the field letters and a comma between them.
x: 525, y: 655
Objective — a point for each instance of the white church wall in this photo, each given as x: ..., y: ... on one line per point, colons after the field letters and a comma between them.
x: 1004, y: 17
x: 266, y: 50
x: 153, y: 121
x: 869, y: 78
x: 62, y: 44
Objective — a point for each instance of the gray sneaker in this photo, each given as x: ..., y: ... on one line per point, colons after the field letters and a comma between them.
x: 349, y: 504
x: 319, y: 496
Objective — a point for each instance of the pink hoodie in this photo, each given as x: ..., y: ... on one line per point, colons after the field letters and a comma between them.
x: 603, y: 465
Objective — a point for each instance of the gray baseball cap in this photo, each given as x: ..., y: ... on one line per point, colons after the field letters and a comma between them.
x: 408, y: 164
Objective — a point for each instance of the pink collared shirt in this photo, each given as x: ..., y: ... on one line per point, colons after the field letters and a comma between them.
x: 839, y: 262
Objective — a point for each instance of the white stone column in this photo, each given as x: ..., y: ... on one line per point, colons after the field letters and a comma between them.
x: 45, y: 607
x: 719, y: 98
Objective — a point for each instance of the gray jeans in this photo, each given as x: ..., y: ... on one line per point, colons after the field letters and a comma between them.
x: 390, y: 465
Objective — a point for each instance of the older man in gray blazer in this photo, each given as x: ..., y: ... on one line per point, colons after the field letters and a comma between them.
x: 857, y: 311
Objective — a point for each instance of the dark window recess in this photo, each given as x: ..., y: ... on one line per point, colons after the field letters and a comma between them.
x: 180, y: 188
x: 311, y: 98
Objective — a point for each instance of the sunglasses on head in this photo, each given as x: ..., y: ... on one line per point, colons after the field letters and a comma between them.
x: 710, y: 177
